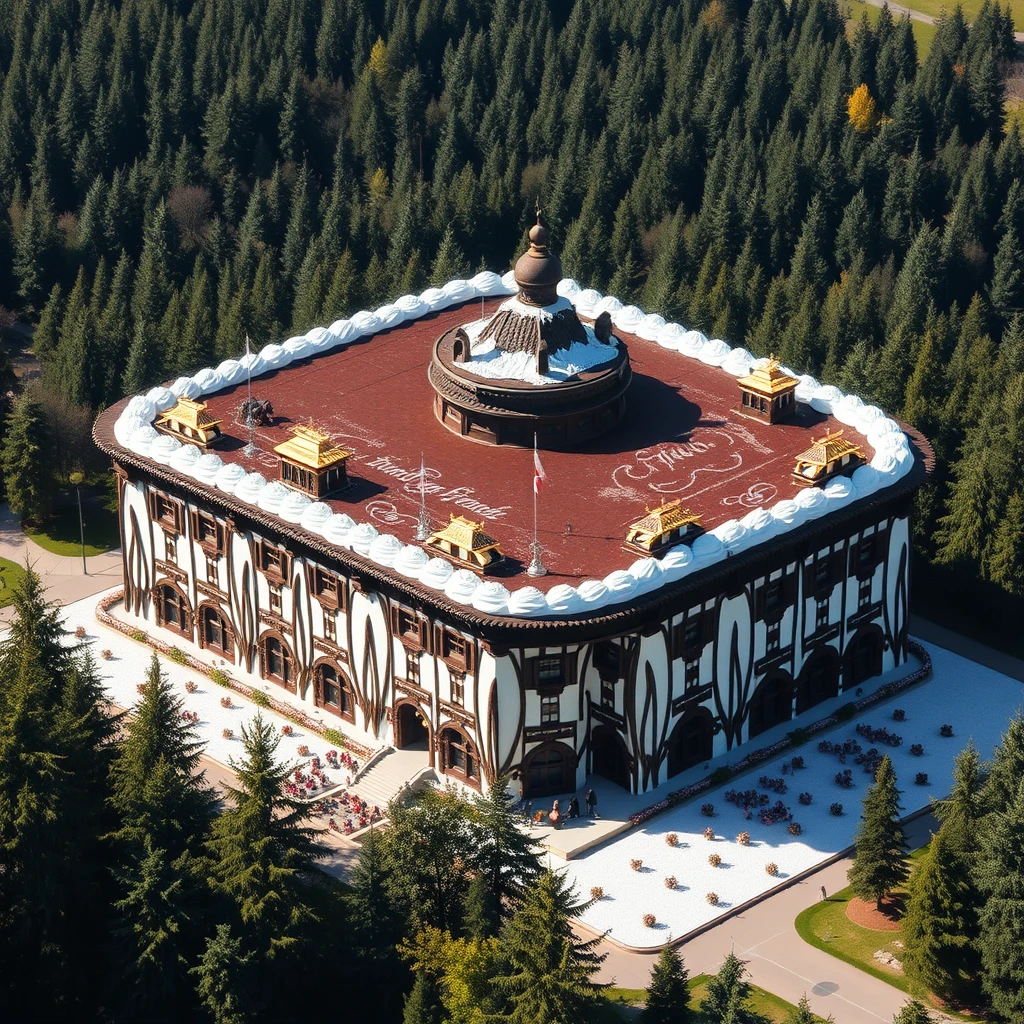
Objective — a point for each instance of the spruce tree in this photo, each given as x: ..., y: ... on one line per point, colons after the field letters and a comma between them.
x: 804, y: 1015
x: 913, y: 1012
x: 879, y: 863
x: 26, y: 458
x: 668, y: 994
x: 423, y: 1004
x: 375, y: 926
x: 449, y: 262
x: 264, y: 865
x: 503, y: 852
x: 157, y: 787
x: 728, y: 994
x: 225, y: 979
x: 1007, y: 769
x: 546, y: 974
x: 940, y: 926
x: 1001, y: 879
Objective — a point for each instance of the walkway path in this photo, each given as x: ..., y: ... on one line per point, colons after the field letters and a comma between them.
x: 62, y: 575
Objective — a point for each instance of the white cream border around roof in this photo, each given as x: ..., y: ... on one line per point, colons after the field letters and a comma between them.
x: 893, y: 458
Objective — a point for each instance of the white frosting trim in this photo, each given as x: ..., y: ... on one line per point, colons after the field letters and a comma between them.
x: 893, y: 457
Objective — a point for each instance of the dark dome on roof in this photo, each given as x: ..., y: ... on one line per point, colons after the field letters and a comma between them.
x: 538, y: 270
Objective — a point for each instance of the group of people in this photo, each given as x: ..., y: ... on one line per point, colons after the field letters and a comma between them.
x: 573, y: 810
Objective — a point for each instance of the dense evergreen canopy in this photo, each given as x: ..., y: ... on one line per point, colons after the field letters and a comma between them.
x: 176, y: 175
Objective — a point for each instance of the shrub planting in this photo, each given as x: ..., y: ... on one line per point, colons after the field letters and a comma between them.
x: 227, y: 734
x: 743, y: 839
x: 650, y: 920
x: 636, y: 863
x: 191, y: 686
x: 794, y: 828
x: 597, y: 893
x: 670, y: 882
x: 712, y: 898
x: 260, y: 699
x: 805, y: 799
x: 709, y: 833
x: 946, y: 730
x: 836, y: 810
x: 899, y: 715
x: 708, y: 810
x: 916, y: 749
x: 672, y: 839
x: 921, y: 778
x: 714, y: 860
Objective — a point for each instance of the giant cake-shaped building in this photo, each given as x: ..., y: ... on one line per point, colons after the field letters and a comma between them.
x: 708, y: 581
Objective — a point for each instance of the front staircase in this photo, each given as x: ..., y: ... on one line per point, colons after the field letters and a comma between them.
x: 389, y: 774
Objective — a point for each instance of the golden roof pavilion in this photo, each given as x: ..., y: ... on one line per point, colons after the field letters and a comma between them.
x: 662, y: 527
x: 827, y: 457
x: 466, y: 542
x: 191, y: 422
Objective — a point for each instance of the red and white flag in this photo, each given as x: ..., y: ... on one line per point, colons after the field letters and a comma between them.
x: 539, y: 476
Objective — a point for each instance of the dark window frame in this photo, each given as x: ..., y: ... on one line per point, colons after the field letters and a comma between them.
x: 280, y: 651
x: 324, y: 689
x: 226, y: 645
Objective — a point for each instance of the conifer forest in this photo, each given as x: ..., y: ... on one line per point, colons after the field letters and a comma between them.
x: 177, y: 175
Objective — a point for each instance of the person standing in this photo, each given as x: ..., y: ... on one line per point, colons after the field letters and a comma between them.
x: 574, y: 808
x: 591, y: 800
x: 823, y: 894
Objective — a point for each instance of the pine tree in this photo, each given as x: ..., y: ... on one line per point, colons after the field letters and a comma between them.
x: 879, y: 863
x: 33, y: 255
x: 913, y: 1012
x: 803, y: 1014
x: 547, y: 969
x: 668, y: 994
x: 264, y: 863
x: 961, y: 811
x: 225, y: 979
x: 728, y: 994
x: 25, y: 455
x: 1007, y: 770
x: 343, y: 294
x: 504, y: 854
x: 423, y: 1004
x: 940, y: 926
x: 1001, y: 879
x: 156, y: 785
x: 449, y: 264
x: 376, y: 926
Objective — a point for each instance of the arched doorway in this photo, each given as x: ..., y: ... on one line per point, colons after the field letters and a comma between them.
x: 410, y: 728
x: 548, y: 771
x: 691, y: 741
x: 609, y: 757
x: 818, y: 680
x: 863, y: 657
x: 771, y: 704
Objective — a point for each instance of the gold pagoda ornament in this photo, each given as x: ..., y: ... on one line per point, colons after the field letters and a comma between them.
x: 661, y: 528
x: 467, y: 543
x: 829, y: 456
x: 767, y: 393
x: 189, y: 421
x: 312, y: 463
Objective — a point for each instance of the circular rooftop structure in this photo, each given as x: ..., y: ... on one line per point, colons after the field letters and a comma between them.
x: 533, y: 368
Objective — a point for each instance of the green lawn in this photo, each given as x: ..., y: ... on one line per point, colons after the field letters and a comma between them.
x: 923, y: 32
x: 771, y: 1006
x: 969, y: 7
x: 10, y: 574
x: 59, y: 534
x: 826, y: 926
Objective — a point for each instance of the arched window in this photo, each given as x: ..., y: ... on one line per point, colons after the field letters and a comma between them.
x: 459, y: 756
x: 173, y: 610
x: 277, y: 662
x: 215, y: 633
x: 332, y: 690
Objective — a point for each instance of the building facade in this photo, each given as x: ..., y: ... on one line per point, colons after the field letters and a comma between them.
x: 637, y: 695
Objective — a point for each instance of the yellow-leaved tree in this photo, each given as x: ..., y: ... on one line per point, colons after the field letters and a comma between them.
x: 860, y: 109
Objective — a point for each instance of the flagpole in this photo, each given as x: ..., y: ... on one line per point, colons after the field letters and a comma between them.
x: 536, y: 567
x: 423, y: 523
x: 250, y: 448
